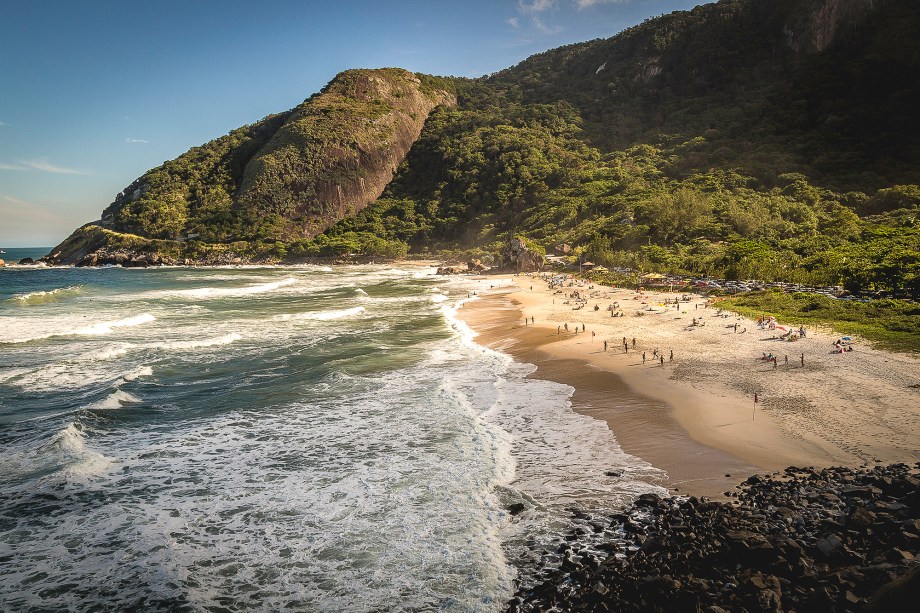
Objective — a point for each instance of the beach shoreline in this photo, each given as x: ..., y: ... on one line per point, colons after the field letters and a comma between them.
x: 694, y: 415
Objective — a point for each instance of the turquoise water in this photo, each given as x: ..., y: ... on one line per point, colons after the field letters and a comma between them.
x: 12, y: 255
x: 307, y: 437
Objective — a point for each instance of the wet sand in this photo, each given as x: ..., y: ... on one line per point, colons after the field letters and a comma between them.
x: 694, y: 416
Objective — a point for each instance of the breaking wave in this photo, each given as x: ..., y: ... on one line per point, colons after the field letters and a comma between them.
x: 44, y: 297
x: 106, y: 327
x: 231, y: 292
x: 321, y: 315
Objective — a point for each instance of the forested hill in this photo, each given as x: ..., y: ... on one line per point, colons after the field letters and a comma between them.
x: 765, y: 138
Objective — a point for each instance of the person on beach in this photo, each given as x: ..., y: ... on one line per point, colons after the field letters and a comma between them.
x: 774, y: 363
x: 558, y: 330
x: 803, y: 360
x: 662, y: 360
x: 634, y: 342
x: 583, y: 327
x: 566, y: 326
x: 786, y: 360
x: 605, y: 346
x: 643, y: 357
x: 671, y: 358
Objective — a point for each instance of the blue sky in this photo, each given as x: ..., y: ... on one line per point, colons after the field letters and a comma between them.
x: 94, y: 93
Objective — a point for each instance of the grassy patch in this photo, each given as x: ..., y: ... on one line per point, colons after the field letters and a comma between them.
x: 891, y: 324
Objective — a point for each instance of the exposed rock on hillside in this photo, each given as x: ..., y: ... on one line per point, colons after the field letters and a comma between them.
x: 336, y: 153
x: 287, y: 177
x: 517, y: 256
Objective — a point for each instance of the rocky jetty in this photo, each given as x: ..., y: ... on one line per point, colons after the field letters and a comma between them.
x: 836, y: 539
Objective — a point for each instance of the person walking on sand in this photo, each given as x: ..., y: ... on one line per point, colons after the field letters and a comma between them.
x: 583, y: 327
x: 671, y: 358
x: 662, y: 360
x: 803, y: 359
x: 774, y: 362
x: 786, y: 360
x: 566, y: 325
x: 643, y: 357
x: 605, y: 346
x: 634, y: 342
x: 558, y: 330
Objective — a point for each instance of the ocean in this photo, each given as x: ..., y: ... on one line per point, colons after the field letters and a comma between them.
x: 257, y: 438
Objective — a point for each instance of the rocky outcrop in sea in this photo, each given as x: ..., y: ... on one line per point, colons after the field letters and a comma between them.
x: 835, y: 539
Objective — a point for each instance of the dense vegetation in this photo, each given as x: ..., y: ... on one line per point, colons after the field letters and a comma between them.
x: 260, y: 182
x: 894, y: 324
x: 705, y: 145
x: 742, y: 139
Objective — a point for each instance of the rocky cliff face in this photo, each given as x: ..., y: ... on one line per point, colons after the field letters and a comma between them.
x: 335, y: 154
x: 518, y: 257
x: 289, y: 176
x: 826, y: 22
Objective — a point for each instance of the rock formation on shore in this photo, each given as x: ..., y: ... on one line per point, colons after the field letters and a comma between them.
x: 835, y: 539
x: 517, y: 256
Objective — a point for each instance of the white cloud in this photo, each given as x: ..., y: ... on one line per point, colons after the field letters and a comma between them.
x: 514, y: 22
x: 583, y: 4
x: 46, y: 166
x: 534, y: 10
x: 536, y: 6
x: 4, y: 166
x: 136, y: 140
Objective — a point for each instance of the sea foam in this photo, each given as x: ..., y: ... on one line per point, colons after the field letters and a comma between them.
x: 226, y: 339
x: 321, y: 315
x: 106, y: 327
x: 230, y: 292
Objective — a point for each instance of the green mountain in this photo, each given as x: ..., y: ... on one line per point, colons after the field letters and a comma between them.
x: 749, y: 138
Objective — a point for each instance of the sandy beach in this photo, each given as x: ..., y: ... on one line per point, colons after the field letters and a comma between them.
x: 694, y: 415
